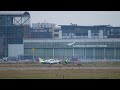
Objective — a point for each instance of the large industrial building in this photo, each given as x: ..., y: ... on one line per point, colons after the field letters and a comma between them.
x: 82, y: 49
x: 96, y: 31
x: 14, y: 26
x: 86, y: 43
x: 42, y: 30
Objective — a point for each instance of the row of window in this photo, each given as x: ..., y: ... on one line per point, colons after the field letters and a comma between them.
x: 81, y: 53
x: 75, y: 34
x: 80, y: 34
x: 64, y: 44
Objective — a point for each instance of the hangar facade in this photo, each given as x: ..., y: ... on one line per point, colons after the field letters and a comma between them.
x: 82, y: 49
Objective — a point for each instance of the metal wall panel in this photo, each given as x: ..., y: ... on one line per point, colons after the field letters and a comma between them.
x: 15, y: 49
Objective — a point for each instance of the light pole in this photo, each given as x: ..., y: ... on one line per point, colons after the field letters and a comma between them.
x: 53, y: 53
x: 33, y: 50
x: 73, y: 50
x: 104, y: 53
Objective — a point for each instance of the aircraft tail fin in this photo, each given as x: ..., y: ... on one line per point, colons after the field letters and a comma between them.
x: 66, y: 61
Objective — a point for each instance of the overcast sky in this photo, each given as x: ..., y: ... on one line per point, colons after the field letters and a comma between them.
x: 77, y: 17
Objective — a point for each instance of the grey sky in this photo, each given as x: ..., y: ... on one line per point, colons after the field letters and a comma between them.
x: 77, y: 17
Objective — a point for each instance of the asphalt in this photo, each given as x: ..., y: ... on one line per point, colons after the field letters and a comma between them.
x: 53, y: 68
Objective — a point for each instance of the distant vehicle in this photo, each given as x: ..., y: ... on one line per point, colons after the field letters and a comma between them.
x: 49, y: 61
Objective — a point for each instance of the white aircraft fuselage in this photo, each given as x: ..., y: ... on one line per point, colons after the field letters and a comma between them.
x: 49, y: 61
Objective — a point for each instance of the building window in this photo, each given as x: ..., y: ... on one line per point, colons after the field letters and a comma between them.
x: 65, y: 34
x: 56, y: 30
x: 85, y: 34
x: 55, y: 35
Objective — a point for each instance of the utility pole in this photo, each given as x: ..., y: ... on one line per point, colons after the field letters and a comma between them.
x: 104, y: 53
x: 33, y: 50
x: 73, y: 50
x: 53, y: 53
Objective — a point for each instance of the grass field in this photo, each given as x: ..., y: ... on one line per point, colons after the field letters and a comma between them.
x: 60, y: 74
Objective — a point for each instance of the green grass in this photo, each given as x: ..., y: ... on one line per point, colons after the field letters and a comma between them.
x: 60, y: 74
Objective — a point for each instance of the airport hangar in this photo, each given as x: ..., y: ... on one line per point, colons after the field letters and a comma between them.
x: 87, y: 43
x: 82, y: 49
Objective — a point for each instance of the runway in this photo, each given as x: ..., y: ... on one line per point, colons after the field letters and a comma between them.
x: 53, y: 68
